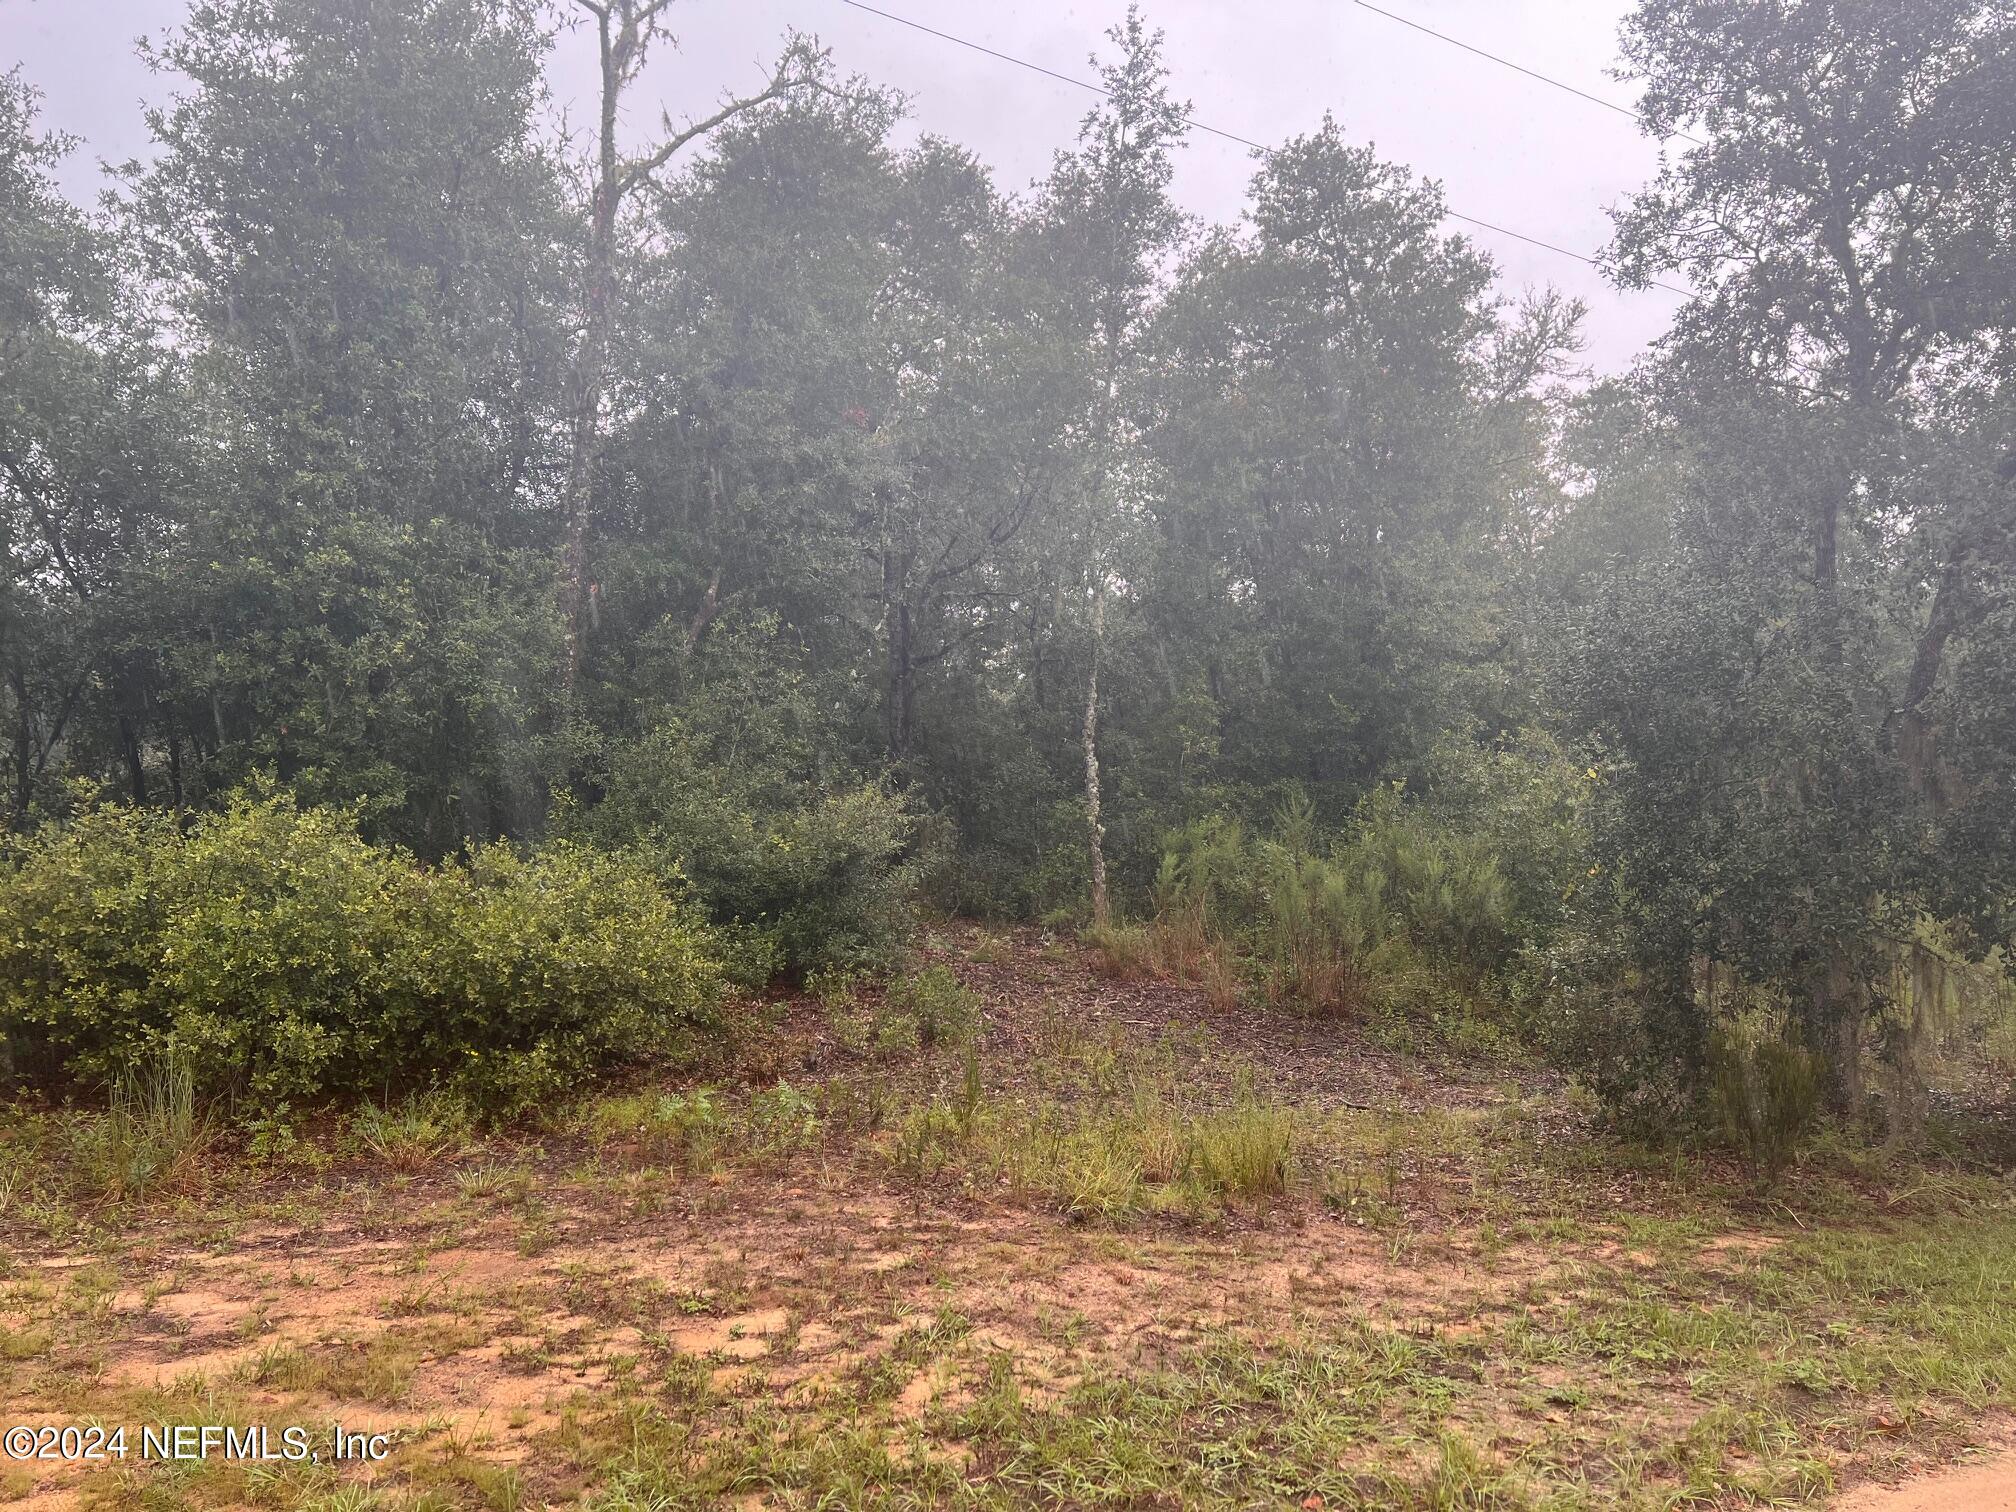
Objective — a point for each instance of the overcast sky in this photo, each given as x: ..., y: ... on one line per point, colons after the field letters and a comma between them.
x: 1506, y: 148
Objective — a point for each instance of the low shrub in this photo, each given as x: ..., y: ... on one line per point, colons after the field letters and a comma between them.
x: 809, y: 858
x: 1123, y: 952
x: 288, y: 959
x: 944, y: 1011
x: 1386, y: 908
x: 1765, y: 1091
x: 782, y: 1119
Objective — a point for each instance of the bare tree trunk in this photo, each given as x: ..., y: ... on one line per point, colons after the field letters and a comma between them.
x: 592, y: 358
x: 899, y: 700
x: 624, y: 30
x: 1102, y: 909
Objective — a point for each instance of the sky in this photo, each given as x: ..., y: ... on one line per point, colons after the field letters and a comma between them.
x: 1507, y: 149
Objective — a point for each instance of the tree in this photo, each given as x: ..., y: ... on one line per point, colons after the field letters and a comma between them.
x: 625, y: 31
x: 1827, y: 413
x: 1101, y: 234
x: 359, y: 236
x: 82, y: 467
x: 1346, y: 417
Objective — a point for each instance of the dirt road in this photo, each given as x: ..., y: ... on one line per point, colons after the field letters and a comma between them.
x: 1988, y: 1486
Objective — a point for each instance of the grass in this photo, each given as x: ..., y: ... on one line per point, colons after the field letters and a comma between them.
x: 150, y: 1134
x: 1125, y: 1152
x: 414, y: 1134
x: 1050, y: 1261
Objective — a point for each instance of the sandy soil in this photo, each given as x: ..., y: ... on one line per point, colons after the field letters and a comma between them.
x: 1984, y: 1487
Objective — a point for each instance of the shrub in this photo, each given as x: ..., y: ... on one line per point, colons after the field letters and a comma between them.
x: 781, y: 1120
x: 744, y: 797
x: 1765, y: 1091
x: 944, y: 1011
x: 1384, y: 908
x: 1122, y: 952
x: 288, y: 959
x: 817, y: 876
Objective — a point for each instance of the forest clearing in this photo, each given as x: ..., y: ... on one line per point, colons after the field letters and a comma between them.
x: 1402, y: 1278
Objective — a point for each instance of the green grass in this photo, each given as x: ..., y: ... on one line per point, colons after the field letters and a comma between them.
x: 1690, y: 1384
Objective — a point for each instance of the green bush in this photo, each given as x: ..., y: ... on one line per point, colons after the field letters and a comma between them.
x: 1394, y: 902
x: 944, y: 1012
x: 810, y: 876
x: 1765, y: 1091
x: 288, y: 959
x: 742, y: 788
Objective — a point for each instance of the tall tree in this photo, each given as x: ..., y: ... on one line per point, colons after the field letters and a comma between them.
x: 1345, y: 416
x: 1828, y: 415
x: 1103, y: 232
x: 359, y: 234
x: 83, y: 469
x: 625, y: 31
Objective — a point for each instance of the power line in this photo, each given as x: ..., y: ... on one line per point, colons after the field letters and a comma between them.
x: 1230, y: 136
x: 1623, y: 110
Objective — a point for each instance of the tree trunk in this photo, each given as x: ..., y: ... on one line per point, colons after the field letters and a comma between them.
x: 899, y: 698
x: 136, y: 773
x: 1102, y: 911
x: 1916, y: 739
x: 590, y: 368
x: 1837, y: 1030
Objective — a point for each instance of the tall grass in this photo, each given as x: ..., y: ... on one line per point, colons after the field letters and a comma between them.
x: 1324, y: 916
x: 150, y: 1133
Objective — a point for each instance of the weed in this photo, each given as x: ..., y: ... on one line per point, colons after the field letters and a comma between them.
x: 416, y: 1133
x: 1766, y: 1094
x: 1246, y: 1150
x: 1123, y: 952
x: 781, y: 1120
x: 495, y: 1183
x: 689, y: 1127
x: 927, y: 1009
x: 150, y: 1131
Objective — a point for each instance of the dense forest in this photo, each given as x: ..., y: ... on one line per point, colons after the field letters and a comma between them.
x: 480, y: 593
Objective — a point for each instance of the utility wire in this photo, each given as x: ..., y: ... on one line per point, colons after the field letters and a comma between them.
x: 1623, y: 110
x: 1231, y: 136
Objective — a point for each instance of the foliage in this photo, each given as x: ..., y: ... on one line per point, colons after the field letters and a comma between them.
x: 412, y: 1134
x: 150, y: 1130
x: 686, y: 1126
x: 1331, y: 919
x: 913, y: 533
x: 933, y: 999
x: 812, y: 873
x: 1801, y: 513
x: 1765, y: 1090
x: 285, y: 958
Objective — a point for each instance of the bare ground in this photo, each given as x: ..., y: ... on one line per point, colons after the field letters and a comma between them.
x: 484, y: 1323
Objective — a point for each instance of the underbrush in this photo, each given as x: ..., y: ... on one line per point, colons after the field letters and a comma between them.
x: 807, y: 860
x: 698, y: 1129
x: 1144, y: 1148
x: 1394, y: 911
x: 275, y: 955
x: 919, y: 1010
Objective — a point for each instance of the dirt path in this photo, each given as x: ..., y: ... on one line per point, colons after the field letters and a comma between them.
x: 1986, y: 1487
